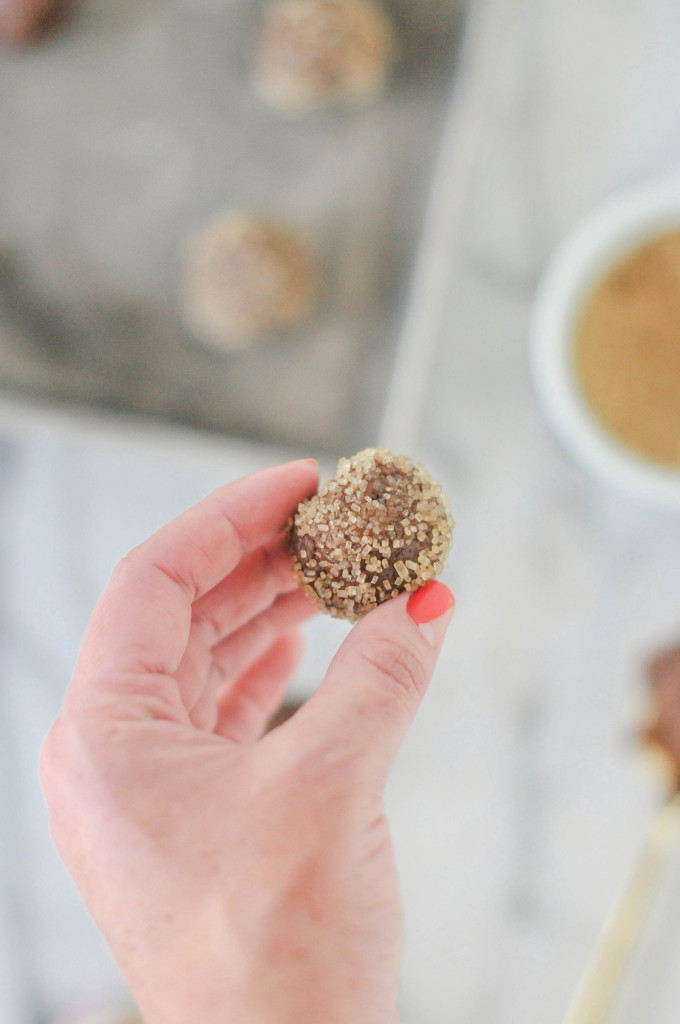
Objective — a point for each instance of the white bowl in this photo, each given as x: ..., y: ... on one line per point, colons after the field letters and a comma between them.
x: 595, y: 246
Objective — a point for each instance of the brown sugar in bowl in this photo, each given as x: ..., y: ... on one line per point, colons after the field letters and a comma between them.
x: 627, y: 350
x: 605, y: 344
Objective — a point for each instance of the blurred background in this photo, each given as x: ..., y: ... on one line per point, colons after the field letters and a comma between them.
x: 521, y: 798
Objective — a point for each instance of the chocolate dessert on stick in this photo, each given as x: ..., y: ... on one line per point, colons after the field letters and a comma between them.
x: 596, y: 994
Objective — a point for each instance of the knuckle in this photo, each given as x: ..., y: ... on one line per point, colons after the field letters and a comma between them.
x: 49, y: 756
x: 207, y: 624
x: 396, y: 666
x: 125, y: 565
x: 53, y: 761
x: 147, y: 695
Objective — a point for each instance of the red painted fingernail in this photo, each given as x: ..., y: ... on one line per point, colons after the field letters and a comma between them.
x: 431, y: 608
x: 429, y: 602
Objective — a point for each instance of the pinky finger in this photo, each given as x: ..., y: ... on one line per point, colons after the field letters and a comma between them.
x: 249, y: 702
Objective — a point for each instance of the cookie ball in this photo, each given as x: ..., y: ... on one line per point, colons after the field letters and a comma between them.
x: 24, y: 21
x: 663, y: 731
x: 380, y: 526
x: 246, y: 277
x: 313, y: 53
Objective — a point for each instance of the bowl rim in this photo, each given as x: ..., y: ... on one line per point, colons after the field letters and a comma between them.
x: 588, y: 252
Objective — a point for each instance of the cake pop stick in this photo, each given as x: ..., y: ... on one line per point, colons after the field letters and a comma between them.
x: 595, y: 997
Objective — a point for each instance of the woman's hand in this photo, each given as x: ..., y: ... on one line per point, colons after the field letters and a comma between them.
x: 237, y: 876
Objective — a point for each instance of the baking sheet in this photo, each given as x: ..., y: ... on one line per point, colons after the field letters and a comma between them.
x: 136, y: 123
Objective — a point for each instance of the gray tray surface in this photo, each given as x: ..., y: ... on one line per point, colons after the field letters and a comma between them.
x: 136, y: 123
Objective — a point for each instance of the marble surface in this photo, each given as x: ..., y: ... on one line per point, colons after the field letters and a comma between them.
x: 519, y: 801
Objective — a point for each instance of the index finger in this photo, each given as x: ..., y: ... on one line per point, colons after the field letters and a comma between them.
x: 141, y: 622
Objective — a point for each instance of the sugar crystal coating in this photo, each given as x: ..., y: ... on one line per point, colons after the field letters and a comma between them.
x: 380, y: 526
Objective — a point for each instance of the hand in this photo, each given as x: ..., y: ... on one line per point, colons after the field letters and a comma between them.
x: 237, y: 876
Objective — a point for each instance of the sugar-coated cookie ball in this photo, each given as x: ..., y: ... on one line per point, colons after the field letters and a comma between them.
x: 313, y: 53
x: 246, y: 277
x: 24, y: 21
x: 381, y: 525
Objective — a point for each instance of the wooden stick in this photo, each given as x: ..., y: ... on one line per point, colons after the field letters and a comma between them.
x: 605, y: 972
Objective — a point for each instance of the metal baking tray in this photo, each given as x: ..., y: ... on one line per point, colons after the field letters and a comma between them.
x: 136, y: 123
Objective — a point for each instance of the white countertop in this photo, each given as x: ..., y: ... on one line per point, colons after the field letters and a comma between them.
x: 520, y: 800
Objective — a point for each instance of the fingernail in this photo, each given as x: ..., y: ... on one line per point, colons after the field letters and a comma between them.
x: 431, y: 608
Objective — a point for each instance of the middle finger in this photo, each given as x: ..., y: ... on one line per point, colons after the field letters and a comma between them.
x: 260, y: 578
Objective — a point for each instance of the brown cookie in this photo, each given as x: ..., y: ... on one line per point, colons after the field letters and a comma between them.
x: 380, y: 526
x: 663, y: 730
x: 314, y: 53
x: 246, y: 277
x: 23, y: 21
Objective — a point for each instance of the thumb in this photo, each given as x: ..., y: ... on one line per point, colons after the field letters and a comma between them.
x: 376, y: 681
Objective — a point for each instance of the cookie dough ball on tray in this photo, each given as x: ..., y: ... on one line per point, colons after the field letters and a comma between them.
x: 313, y: 53
x: 246, y: 277
x: 380, y: 526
